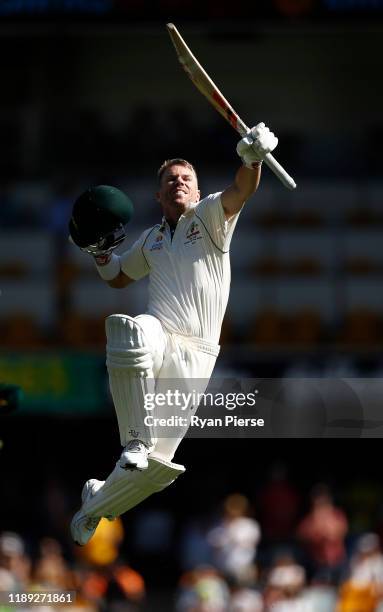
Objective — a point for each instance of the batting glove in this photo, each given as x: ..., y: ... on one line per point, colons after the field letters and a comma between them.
x: 107, y: 262
x: 254, y: 147
x: 101, y: 256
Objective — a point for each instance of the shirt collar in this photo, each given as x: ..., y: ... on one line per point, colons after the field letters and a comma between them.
x: 187, y: 213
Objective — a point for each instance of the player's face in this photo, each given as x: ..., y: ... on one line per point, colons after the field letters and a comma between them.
x: 178, y: 189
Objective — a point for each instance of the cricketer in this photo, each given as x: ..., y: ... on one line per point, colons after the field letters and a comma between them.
x: 187, y: 259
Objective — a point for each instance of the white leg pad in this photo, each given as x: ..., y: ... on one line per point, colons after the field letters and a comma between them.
x: 123, y: 489
x: 130, y: 367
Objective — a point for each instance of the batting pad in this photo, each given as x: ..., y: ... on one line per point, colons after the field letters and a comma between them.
x: 129, y: 362
x: 125, y: 489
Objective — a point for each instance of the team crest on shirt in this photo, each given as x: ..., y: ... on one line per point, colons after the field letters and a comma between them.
x: 193, y: 233
x: 158, y: 243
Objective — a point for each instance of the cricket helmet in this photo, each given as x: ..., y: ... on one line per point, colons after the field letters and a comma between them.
x: 99, y: 217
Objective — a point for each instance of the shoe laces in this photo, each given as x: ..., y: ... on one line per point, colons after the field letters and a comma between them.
x: 134, y: 445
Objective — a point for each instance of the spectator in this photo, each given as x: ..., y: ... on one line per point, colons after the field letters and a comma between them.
x: 364, y: 589
x: 278, y: 502
x: 14, y: 562
x: 203, y: 590
x: 244, y: 598
x: 284, y: 588
x: 234, y: 540
x: 51, y: 571
x: 323, y: 531
x: 367, y: 562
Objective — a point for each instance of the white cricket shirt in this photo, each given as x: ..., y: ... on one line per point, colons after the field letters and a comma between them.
x: 189, y: 278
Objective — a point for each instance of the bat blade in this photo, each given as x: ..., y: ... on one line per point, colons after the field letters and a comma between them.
x: 203, y: 82
x: 207, y: 87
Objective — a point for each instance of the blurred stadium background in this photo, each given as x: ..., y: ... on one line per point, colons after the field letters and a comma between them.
x: 92, y: 93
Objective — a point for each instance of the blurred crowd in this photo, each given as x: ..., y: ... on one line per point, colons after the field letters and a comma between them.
x: 96, y: 579
x: 284, y: 551
x: 309, y: 568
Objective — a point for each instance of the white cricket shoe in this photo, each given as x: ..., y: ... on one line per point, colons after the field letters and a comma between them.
x: 134, y: 456
x: 83, y: 526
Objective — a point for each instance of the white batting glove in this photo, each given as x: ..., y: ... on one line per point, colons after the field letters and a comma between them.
x: 254, y: 147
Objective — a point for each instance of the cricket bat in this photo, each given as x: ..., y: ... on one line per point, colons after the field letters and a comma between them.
x: 208, y: 88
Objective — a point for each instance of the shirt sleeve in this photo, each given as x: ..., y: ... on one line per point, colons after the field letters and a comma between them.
x: 133, y: 262
x: 211, y: 214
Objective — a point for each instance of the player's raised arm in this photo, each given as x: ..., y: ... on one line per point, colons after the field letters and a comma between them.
x: 252, y: 149
x: 98, y: 225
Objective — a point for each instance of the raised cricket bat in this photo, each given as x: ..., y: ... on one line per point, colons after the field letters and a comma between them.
x: 206, y: 86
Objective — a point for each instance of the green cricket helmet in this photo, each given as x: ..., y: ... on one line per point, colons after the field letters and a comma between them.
x: 99, y: 218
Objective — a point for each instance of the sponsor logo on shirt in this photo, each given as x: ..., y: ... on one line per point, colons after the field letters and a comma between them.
x: 158, y: 243
x: 193, y: 233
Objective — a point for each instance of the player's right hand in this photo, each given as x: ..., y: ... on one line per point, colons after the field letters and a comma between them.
x: 254, y: 147
x: 101, y: 253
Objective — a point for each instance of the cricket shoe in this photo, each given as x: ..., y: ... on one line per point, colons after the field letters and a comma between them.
x: 134, y: 456
x: 83, y: 526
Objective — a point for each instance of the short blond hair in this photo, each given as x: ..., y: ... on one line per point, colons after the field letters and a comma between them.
x: 177, y: 161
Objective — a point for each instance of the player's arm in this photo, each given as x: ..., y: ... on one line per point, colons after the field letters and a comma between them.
x: 252, y: 149
x: 108, y: 265
x: 109, y: 268
x: 119, y: 271
x: 245, y: 183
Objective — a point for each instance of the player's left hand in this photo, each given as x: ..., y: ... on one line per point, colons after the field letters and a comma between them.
x: 254, y: 147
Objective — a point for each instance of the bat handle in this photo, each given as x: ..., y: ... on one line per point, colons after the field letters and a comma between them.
x: 280, y: 172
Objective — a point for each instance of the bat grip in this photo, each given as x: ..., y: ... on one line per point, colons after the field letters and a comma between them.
x: 280, y: 172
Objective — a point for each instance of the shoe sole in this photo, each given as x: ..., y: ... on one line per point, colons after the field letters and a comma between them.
x: 71, y: 528
x: 84, y: 494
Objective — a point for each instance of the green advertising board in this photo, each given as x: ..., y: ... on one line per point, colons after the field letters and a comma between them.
x: 60, y: 382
